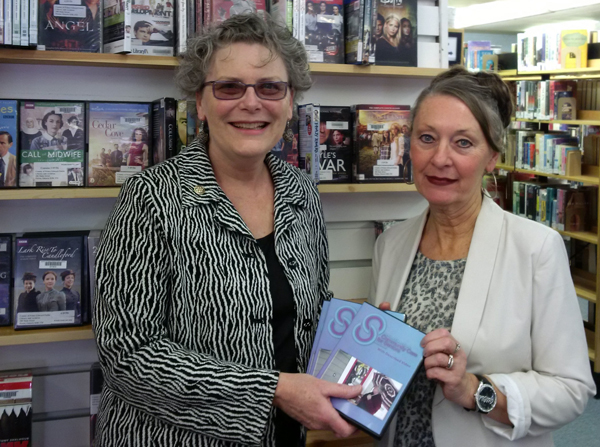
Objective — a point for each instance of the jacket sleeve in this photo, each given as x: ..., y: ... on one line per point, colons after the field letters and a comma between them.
x: 142, y: 366
x: 556, y: 389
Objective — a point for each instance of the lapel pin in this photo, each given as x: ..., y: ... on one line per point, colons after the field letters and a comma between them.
x: 199, y: 190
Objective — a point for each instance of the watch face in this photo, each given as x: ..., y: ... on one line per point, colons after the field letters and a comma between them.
x: 486, y: 398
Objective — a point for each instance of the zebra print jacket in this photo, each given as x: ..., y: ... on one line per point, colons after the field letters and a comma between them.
x: 182, y: 307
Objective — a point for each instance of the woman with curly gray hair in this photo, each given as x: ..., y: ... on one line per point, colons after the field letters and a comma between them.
x: 204, y: 333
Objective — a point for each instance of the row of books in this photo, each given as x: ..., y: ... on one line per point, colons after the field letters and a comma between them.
x: 544, y: 152
x: 365, y: 143
x: 55, y: 143
x: 479, y: 55
x: 46, y: 279
x: 333, y: 31
x: 549, y: 100
x: 552, y: 50
x: 556, y: 206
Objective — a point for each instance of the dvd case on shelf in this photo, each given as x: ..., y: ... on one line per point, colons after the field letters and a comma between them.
x: 380, y: 352
x: 308, y: 132
x: 381, y: 143
x: 5, y: 278
x: 187, y: 122
x: 55, y: 264
x: 51, y: 144
x: 15, y: 408
x: 73, y: 25
x: 216, y: 11
x: 8, y: 143
x: 288, y: 150
x: 324, y: 31
x: 118, y: 141
x: 335, y: 145
x: 395, y: 32
x: 152, y: 31
x: 164, y: 132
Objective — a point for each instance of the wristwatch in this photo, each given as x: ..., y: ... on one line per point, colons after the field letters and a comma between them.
x: 485, y: 397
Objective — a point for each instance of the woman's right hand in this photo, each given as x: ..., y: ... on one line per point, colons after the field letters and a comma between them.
x: 307, y: 399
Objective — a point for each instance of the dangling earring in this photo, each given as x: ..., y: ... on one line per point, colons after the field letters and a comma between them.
x: 288, y: 133
x: 202, y: 134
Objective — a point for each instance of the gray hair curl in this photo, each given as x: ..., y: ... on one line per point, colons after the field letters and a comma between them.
x: 485, y: 94
x: 195, y: 63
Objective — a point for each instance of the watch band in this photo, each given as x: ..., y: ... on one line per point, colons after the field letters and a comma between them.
x: 485, y: 396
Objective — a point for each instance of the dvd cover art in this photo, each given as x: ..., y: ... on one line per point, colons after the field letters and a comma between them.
x: 152, y: 30
x: 220, y: 10
x: 8, y: 143
x: 335, y: 145
x: 116, y: 29
x: 288, y: 150
x: 70, y: 25
x: 164, y: 132
x: 48, y: 281
x: 51, y: 144
x: 395, y: 32
x: 118, y: 142
x: 324, y: 31
x: 381, y: 143
x: 15, y: 409
x: 5, y: 278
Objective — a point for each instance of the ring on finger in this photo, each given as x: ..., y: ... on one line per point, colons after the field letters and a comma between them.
x: 457, y: 347
x: 450, y: 361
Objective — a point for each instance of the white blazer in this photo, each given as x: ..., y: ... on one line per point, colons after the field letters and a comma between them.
x: 518, y: 320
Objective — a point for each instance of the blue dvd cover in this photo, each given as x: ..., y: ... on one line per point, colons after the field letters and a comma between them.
x: 8, y: 143
x: 381, y: 353
x: 313, y: 353
x: 338, y: 318
x: 48, y: 281
x: 5, y: 278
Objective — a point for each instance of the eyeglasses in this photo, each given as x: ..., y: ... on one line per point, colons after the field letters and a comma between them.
x: 268, y: 90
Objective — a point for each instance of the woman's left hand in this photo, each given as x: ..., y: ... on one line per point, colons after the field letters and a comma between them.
x: 446, y: 362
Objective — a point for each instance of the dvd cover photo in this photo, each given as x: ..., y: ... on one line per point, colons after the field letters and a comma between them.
x: 381, y: 143
x: 51, y: 144
x: 324, y: 31
x: 119, y: 144
x: 216, y: 11
x: 70, y: 25
x: 394, y: 28
x: 8, y: 143
x: 335, y: 145
x: 152, y: 30
x: 288, y: 150
x: 48, y: 281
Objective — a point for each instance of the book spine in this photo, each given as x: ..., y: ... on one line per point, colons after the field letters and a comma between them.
x: 171, y: 126
x: 316, y: 159
x: 16, y: 17
x: 24, y: 23
x: 182, y: 28
x: 207, y: 13
x: 33, y: 22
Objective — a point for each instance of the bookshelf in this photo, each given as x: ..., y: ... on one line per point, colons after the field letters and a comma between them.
x: 15, y: 56
x: 10, y: 337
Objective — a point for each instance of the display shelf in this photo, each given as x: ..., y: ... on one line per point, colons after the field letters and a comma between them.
x: 572, y: 122
x: 579, y: 72
x: 584, y: 236
x: 585, y: 284
x: 99, y: 193
x: 323, y: 438
x: 10, y: 337
x: 572, y: 178
x: 16, y: 56
x: 504, y: 167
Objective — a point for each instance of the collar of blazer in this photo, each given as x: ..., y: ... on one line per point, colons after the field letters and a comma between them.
x: 478, y: 270
x: 195, y: 170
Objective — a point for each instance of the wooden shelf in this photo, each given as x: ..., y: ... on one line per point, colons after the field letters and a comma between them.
x: 572, y: 122
x: 504, y: 167
x: 585, y: 284
x: 99, y: 193
x: 584, y: 236
x: 371, y: 187
x: 562, y: 72
x: 572, y: 178
x: 16, y: 56
x: 10, y: 337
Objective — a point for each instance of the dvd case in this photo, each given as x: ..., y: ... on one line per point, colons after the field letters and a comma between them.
x: 5, y: 278
x: 73, y: 25
x: 381, y: 143
x: 164, y: 132
x: 324, y: 31
x: 395, y: 35
x: 380, y: 352
x: 187, y: 121
x: 118, y: 141
x: 9, y: 141
x: 52, y: 144
x: 309, y: 117
x: 15, y: 409
x: 152, y: 30
x: 335, y: 145
x: 288, y: 150
x: 55, y: 264
x: 216, y: 11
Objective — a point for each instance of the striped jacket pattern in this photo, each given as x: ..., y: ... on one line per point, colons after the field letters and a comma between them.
x: 183, y: 307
